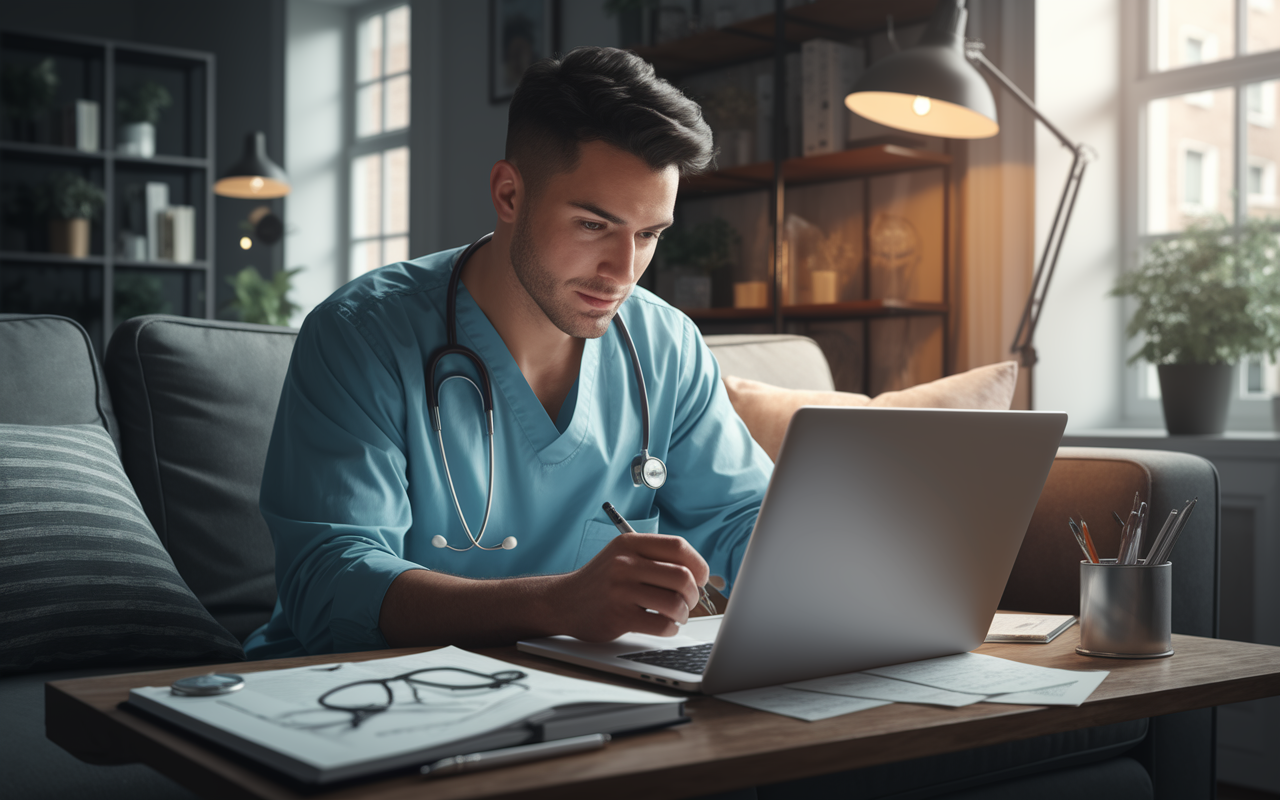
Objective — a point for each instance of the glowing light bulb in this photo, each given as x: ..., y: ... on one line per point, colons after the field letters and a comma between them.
x: 245, y: 243
x: 921, y: 105
x: 256, y: 183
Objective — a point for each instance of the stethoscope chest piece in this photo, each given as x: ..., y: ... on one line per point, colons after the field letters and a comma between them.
x: 648, y: 471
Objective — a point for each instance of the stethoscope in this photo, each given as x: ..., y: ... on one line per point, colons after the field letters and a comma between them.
x: 646, y: 470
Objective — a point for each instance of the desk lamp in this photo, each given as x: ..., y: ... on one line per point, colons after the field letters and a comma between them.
x: 254, y: 176
x: 935, y: 89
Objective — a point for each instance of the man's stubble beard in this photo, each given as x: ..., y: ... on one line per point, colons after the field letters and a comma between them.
x: 555, y: 299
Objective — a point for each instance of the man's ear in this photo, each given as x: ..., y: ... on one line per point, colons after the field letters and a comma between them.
x: 507, y: 190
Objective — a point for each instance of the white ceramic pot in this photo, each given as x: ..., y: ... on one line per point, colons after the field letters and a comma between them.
x: 137, y: 139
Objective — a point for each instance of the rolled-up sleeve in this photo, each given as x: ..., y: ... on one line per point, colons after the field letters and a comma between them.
x: 334, y: 488
x: 717, y: 473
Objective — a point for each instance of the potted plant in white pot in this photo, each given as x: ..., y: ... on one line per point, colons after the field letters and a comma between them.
x: 139, y: 110
x: 73, y: 203
x: 689, y: 256
x: 1205, y: 299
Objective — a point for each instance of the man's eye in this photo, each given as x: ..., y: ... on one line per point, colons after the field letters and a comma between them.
x: 592, y: 226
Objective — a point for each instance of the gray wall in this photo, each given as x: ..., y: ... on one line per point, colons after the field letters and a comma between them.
x: 247, y: 39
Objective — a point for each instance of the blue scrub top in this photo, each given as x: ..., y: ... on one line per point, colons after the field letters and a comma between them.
x: 354, y: 486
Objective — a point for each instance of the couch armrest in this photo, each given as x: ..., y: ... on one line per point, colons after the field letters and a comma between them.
x: 1094, y: 482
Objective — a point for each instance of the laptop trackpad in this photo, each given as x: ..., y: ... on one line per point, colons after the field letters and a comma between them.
x: 704, y: 629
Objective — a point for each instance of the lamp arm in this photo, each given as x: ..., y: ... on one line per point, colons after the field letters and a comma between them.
x: 1023, y: 340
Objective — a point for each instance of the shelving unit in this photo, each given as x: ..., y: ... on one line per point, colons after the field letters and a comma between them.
x: 101, y: 290
x: 774, y: 36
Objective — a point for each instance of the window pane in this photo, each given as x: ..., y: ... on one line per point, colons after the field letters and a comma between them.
x: 1190, y: 159
x: 1263, y: 26
x: 369, y: 110
x: 366, y: 196
x: 395, y: 248
x: 1193, y: 32
x: 398, y: 40
x: 397, y: 103
x: 1264, y: 149
x: 369, y: 49
x: 365, y: 256
x: 396, y: 205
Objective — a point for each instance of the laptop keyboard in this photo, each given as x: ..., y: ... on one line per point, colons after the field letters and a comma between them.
x: 691, y: 659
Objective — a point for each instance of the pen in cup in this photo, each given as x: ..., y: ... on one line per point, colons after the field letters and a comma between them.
x: 704, y: 598
x: 1075, y: 531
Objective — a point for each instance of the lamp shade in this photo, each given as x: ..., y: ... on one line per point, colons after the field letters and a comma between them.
x: 930, y: 88
x: 254, y: 175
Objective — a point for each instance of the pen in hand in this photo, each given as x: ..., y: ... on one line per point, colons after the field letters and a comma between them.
x: 704, y: 599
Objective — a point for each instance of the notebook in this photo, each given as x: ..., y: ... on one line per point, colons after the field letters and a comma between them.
x: 886, y: 536
x: 276, y: 718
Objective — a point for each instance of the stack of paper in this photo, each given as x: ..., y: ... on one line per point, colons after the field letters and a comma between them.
x: 950, y: 681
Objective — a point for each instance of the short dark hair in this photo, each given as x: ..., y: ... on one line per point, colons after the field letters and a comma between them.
x: 608, y: 95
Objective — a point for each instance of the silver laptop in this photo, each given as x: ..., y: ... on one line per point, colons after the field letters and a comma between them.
x: 886, y: 536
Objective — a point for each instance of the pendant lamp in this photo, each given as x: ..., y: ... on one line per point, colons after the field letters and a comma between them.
x: 254, y: 175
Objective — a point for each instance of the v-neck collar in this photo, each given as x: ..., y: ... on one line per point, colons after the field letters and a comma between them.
x: 512, y: 390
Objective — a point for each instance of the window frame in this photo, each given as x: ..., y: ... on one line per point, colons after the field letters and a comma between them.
x: 1141, y: 84
x: 356, y: 146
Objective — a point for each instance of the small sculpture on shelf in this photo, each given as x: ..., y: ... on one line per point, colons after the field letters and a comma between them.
x: 72, y: 202
x: 139, y: 109
x: 688, y: 257
x: 26, y: 94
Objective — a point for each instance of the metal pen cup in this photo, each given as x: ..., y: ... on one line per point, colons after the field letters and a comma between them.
x: 1125, y: 610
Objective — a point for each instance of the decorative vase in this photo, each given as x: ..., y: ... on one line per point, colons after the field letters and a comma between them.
x: 69, y: 237
x: 137, y: 139
x: 1196, y: 398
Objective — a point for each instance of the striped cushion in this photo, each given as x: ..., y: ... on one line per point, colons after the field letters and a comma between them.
x: 84, y: 580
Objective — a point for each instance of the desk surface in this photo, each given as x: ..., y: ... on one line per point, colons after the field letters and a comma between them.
x: 724, y: 747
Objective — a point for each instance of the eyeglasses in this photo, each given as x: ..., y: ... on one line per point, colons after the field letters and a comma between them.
x: 345, y: 698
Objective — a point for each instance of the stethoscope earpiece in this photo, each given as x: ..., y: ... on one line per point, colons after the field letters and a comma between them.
x: 646, y: 470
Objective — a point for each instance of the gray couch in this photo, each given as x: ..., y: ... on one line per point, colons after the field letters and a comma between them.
x: 190, y: 404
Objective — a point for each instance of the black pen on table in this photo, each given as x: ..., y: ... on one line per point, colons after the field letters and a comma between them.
x: 704, y: 599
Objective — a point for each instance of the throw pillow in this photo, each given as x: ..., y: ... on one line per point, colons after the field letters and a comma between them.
x: 767, y: 409
x: 84, y: 580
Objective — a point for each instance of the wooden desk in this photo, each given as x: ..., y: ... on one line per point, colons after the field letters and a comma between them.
x: 724, y: 747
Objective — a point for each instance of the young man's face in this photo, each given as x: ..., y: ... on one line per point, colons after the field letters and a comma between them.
x: 582, y: 243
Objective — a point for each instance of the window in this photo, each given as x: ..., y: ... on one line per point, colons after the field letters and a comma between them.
x: 379, y: 152
x: 1203, y: 121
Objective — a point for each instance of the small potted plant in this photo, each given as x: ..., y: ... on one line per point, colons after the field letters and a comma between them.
x: 1205, y: 299
x: 72, y: 202
x: 26, y: 93
x: 688, y: 257
x: 139, y: 110
x: 262, y: 301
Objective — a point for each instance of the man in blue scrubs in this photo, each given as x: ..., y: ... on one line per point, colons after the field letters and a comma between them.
x: 355, y: 487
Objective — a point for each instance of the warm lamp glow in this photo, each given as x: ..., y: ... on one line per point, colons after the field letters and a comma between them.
x: 939, y: 118
x: 245, y: 186
x: 245, y: 243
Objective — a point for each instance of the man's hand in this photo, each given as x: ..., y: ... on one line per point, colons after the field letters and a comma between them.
x: 636, y: 571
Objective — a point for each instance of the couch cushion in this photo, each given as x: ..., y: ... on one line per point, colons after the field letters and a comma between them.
x: 51, y: 375
x: 794, y: 362
x: 83, y: 578
x: 197, y: 401
x: 768, y: 409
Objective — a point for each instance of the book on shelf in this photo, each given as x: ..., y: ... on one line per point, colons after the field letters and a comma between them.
x: 828, y: 71
x: 76, y: 125
x: 276, y: 719
x: 177, y: 230
x: 156, y: 196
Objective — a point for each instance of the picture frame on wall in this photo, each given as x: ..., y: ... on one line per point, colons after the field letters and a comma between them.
x: 520, y: 33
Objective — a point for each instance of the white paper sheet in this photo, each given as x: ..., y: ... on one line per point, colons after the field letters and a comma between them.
x: 808, y: 706
x: 874, y: 687
x: 1068, y: 694
x: 977, y: 674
